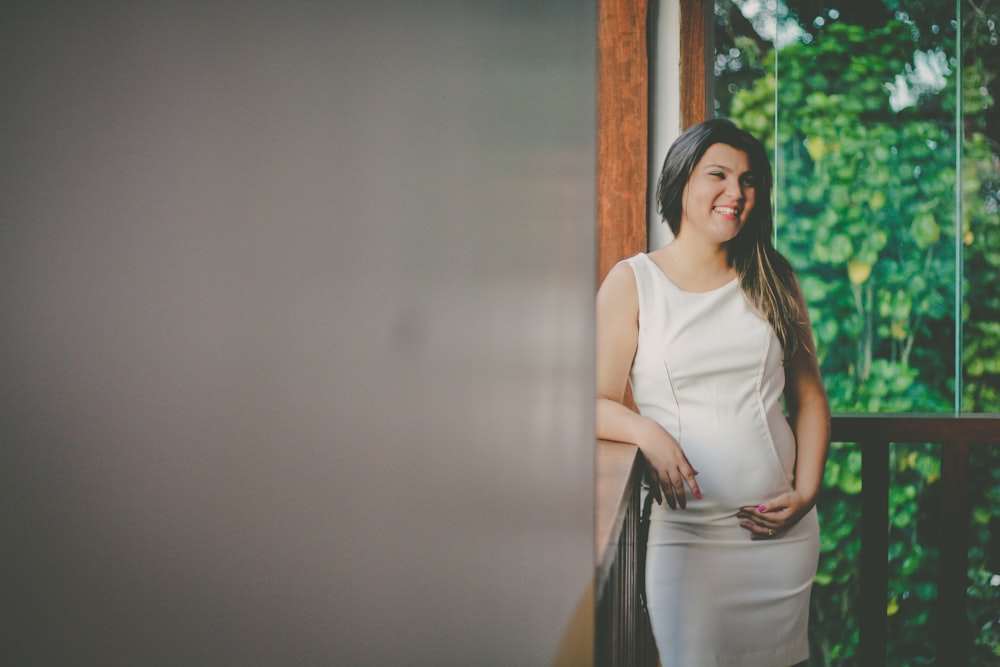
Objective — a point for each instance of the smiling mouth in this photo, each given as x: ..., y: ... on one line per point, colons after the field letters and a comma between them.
x: 728, y: 210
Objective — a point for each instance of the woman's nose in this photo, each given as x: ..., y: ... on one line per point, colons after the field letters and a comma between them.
x: 734, y: 188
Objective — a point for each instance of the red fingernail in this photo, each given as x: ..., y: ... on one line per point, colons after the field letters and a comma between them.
x: 762, y: 508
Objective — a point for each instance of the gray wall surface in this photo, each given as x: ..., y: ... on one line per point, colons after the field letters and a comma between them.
x: 296, y: 342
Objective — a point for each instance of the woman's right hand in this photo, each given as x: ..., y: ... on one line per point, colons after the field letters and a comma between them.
x: 669, y: 467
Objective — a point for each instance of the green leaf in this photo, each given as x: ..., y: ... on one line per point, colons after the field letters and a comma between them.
x: 925, y: 230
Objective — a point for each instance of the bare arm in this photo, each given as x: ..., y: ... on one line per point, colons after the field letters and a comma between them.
x: 809, y: 413
x: 617, y: 340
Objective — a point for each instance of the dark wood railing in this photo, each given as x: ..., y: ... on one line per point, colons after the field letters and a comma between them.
x: 622, y: 632
x: 956, y: 434
x: 622, y: 635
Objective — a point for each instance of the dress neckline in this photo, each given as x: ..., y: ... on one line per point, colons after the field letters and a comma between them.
x: 659, y: 270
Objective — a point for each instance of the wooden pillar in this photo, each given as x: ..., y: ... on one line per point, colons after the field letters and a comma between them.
x: 697, y: 61
x: 622, y: 119
x: 623, y: 114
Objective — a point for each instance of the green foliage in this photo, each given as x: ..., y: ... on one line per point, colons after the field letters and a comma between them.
x: 865, y: 201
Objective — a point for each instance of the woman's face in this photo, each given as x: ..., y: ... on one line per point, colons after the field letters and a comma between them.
x: 719, y: 195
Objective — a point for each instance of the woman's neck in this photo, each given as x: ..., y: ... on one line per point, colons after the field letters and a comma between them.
x: 694, y: 266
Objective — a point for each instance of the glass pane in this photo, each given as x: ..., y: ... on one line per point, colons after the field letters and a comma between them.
x: 981, y: 206
x: 980, y: 188
x: 885, y: 133
x: 862, y: 102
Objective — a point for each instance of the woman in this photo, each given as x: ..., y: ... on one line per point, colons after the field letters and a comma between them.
x: 712, y: 331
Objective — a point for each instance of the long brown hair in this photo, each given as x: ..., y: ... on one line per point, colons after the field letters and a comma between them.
x: 766, y: 277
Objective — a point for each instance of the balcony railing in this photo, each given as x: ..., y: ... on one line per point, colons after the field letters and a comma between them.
x: 622, y: 633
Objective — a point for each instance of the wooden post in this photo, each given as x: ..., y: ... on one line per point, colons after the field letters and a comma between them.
x: 622, y: 119
x: 874, y: 550
x: 954, y: 639
x: 697, y: 61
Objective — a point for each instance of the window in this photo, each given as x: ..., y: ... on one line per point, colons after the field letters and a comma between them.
x: 885, y: 132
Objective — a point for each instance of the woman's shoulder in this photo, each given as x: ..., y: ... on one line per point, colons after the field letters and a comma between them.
x: 634, y: 260
x: 638, y: 265
x: 621, y: 276
x: 619, y: 290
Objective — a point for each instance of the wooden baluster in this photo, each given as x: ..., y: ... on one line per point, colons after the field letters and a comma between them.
x: 953, y: 643
x: 874, y: 550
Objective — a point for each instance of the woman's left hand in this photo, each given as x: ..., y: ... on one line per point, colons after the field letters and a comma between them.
x: 777, y: 516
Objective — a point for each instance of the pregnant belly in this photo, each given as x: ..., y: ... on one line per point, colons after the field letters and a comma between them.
x: 735, y: 469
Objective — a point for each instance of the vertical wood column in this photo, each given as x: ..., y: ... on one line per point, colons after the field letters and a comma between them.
x: 874, y: 547
x: 622, y: 118
x: 955, y: 638
x: 697, y: 61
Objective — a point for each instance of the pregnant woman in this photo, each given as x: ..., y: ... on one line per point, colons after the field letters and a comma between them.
x: 712, y: 332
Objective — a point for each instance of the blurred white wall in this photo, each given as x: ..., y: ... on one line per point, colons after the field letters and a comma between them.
x: 665, y: 104
x: 296, y: 341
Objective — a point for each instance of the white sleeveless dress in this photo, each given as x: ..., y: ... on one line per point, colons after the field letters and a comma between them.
x: 709, y: 370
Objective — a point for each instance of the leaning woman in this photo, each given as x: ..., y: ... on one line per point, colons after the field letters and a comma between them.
x: 712, y: 335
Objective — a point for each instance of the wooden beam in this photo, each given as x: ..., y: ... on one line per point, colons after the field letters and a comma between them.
x: 697, y: 61
x: 622, y: 119
x: 915, y: 427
